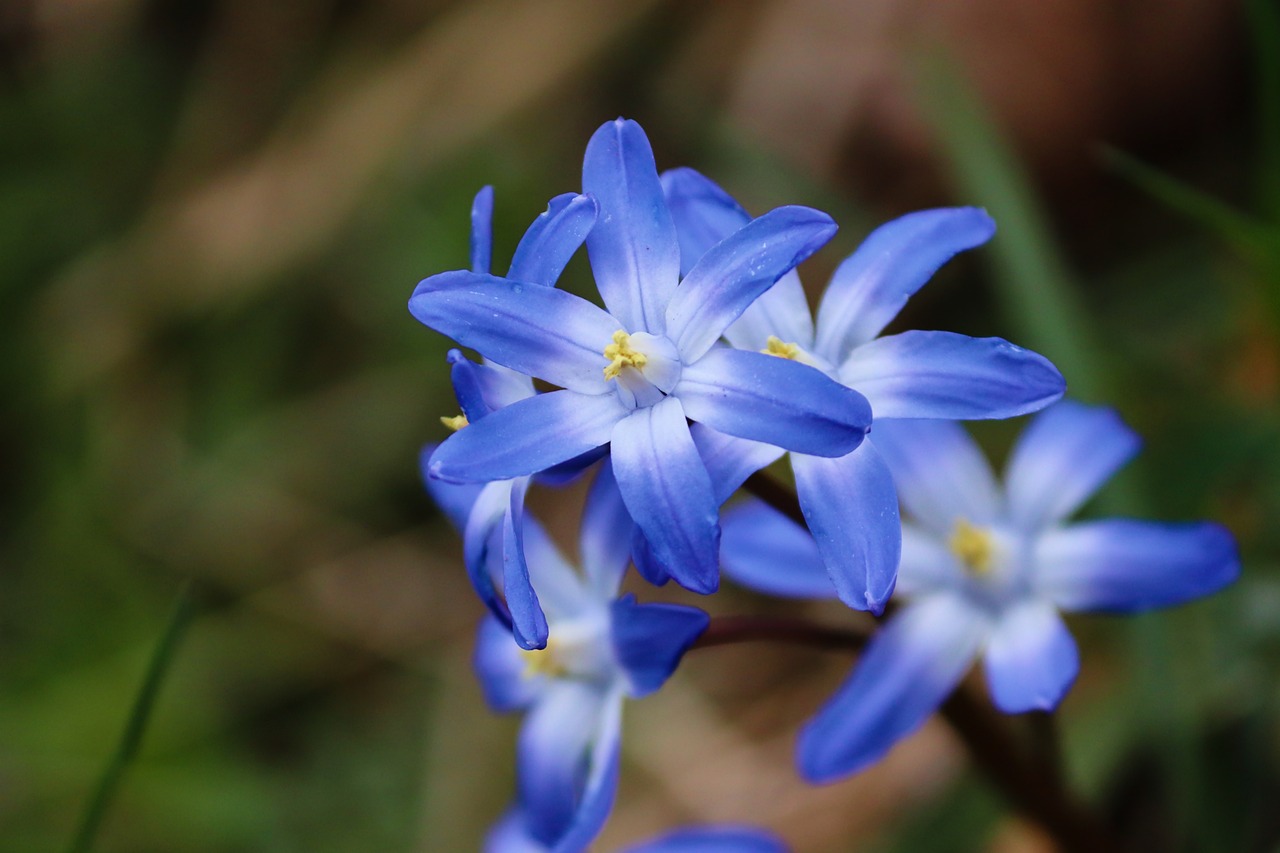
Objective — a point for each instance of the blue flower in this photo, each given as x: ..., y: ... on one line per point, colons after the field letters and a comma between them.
x: 987, y: 570
x: 601, y: 649
x: 511, y: 835
x: 634, y: 375
x: 849, y: 501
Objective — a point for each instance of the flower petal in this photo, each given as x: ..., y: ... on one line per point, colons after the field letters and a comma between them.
x: 1031, y: 659
x: 944, y: 375
x: 511, y: 835
x: 528, y: 622
x: 668, y: 492
x: 871, y: 286
x: 1062, y: 458
x: 602, y: 779
x: 909, y: 667
x: 482, y: 388
x: 851, y: 506
x: 538, y: 331
x: 940, y: 473
x: 718, y: 839
x: 526, y: 437
x: 502, y: 669
x: 764, y: 550
x: 552, y: 239
x: 650, y: 639
x: 560, y: 588
x: 633, y: 248
x: 482, y: 546
x: 605, y: 540
x: 647, y: 564
x: 1123, y: 566
x: 482, y: 230
x: 774, y: 400
x: 729, y: 460
x: 926, y: 564
x: 454, y: 499
x: 734, y: 272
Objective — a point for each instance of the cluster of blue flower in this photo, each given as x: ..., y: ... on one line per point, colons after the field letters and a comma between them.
x: 705, y: 366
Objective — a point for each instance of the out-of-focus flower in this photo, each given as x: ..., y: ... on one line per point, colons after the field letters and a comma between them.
x: 511, y: 836
x: 849, y: 501
x: 634, y: 375
x: 601, y: 649
x: 987, y: 570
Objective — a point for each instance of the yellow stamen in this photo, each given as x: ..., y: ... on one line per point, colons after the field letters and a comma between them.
x: 777, y: 346
x: 973, y: 547
x: 542, y: 662
x: 456, y: 422
x: 620, y: 355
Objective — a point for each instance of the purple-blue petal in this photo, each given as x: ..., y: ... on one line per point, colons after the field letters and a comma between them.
x: 713, y: 839
x: 851, y: 507
x: 650, y: 639
x: 668, y: 492
x: 730, y: 460
x: 552, y: 239
x: 528, y: 623
x: 552, y: 755
x: 871, y: 286
x: 482, y: 388
x: 602, y: 770
x: 646, y: 563
x: 734, y: 272
x: 605, y: 539
x: 527, y: 437
x: 909, y: 667
x: 774, y: 400
x: 1120, y: 565
x: 704, y: 214
x: 1031, y: 660
x: 482, y: 546
x: 511, y: 835
x: 764, y: 550
x: 482, y: 230
x: 538, y: 331
x: 634, y: 253
x: 454, y: 499
x: 944, y: 375
x: 1062, y: 458
x: 502, y: 669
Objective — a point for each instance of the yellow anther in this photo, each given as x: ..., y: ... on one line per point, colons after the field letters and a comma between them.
x: 973, y: 547
x: 456, y: 422
x: 542, y: 662
x: 620, y: 355
x: 777, y: 346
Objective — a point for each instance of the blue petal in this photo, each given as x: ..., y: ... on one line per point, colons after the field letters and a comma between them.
x: 602, y: 779
x: 560, y: 588
x: 482, y: 545
x: 910, y: 666
x: 454, y: 499
x: 552, y: 239
x: 851, y: 506
x: 1062, y: 458
x: 511, y: 835
x: 605, y: 541
x: 774, y: 400
x: 945, y: 375
x: 940, y: 473
x: 1031, y: 659
x: 927, y: 564
x: 764, y: 550
x: 482, y: 388
x: 647, y: 564
x: 730, y: 276
x: 552, y: 755
x: 502, y: 669
x: 704, y: 215
x: 668, y: 492
x: 538, y: 331
x: 729, y: 460
x: 718, y: 839
x: 528, y: 623
x: 567, y: 472
x: 871, y: 286
x: 527, y: 437
x: 633, y: 248
x: 1124, y: 566
x: 650, y: 639
x: 482, y: 230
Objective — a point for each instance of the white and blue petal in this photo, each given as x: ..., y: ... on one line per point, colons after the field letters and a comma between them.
x: 502, y: 669
x: 851, y: 507
x: 483, y: 547
x: 908, y: 669
x: 454, y: 499
x: 538, y: 331
x: 944, y: 375
x: 1062, y: 458
x: 871, y: 286
x: 1031, y: 660
x: 560, y: 588
x: 764, y: 550
x: 528, y: 622
x: 730, y: 460
x: 511, y: 835
x: 482, y: 230
x: 1119, y: 565
x: 602, y: 768
x: 774, y: 400
x: 668, y: 492
x: 482, y: 388
x: 713, y: 839
x: 646, y: 563
x: 605, y: 538
x: 633, y: 248
x: 527, y: 437
x: 552, y: 239
x: 650, y: 639
x: 734, y: 272
x: 926, y: 565
x: 940, y: 473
